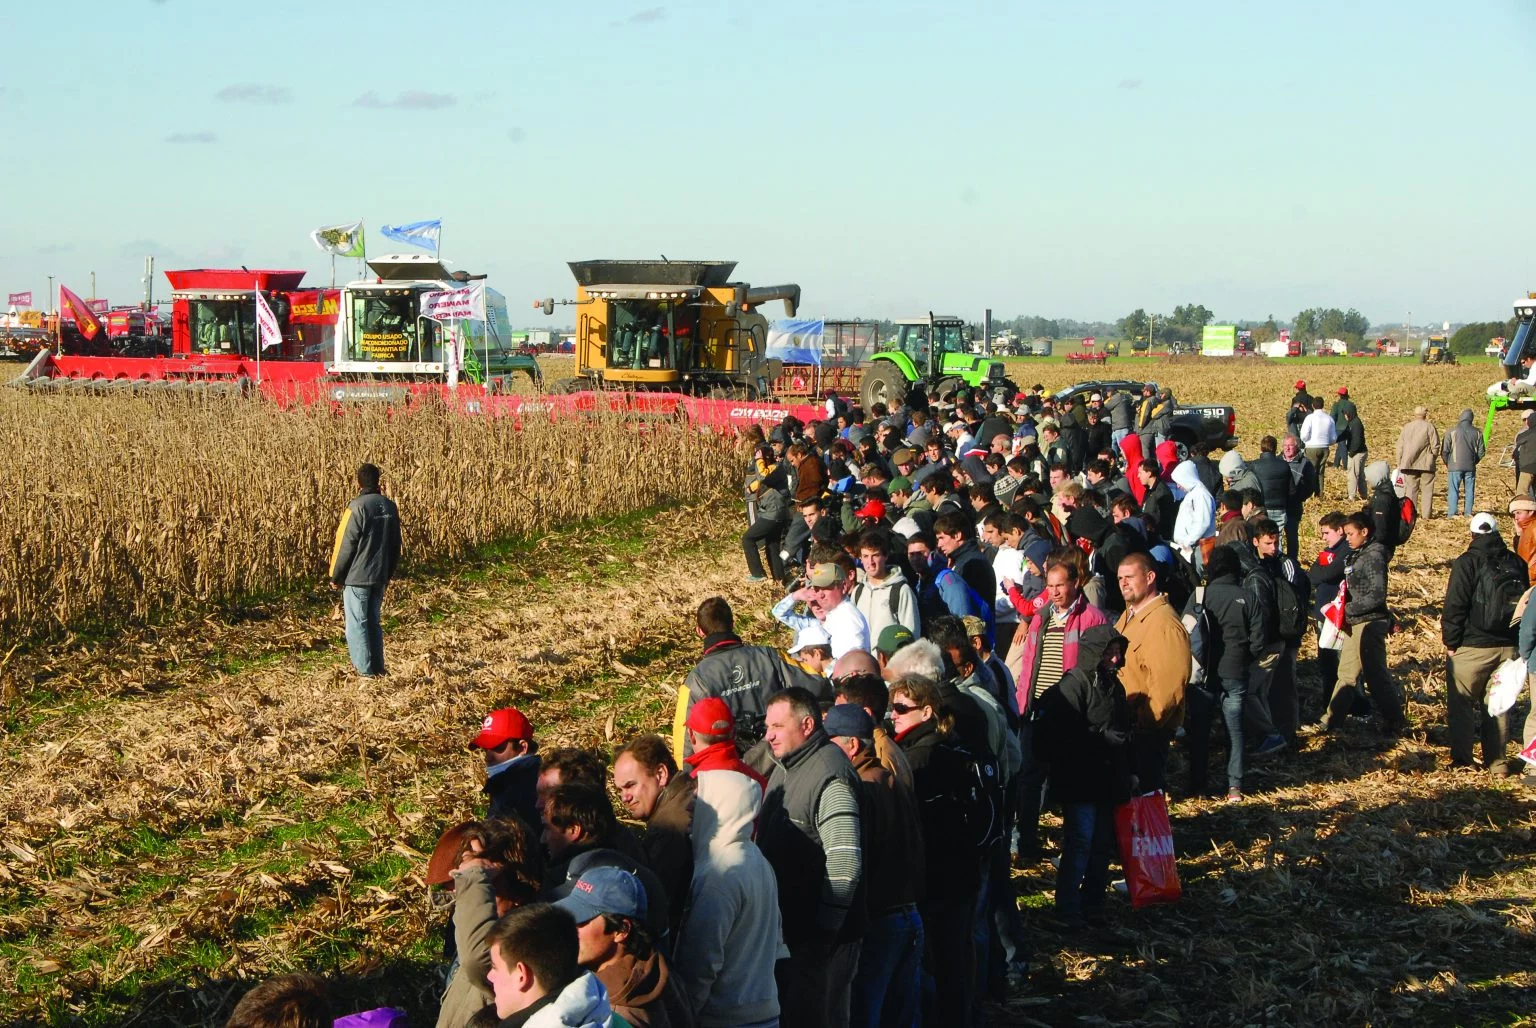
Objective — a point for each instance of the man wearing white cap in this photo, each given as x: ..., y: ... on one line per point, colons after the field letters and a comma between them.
x: 1486, y: 583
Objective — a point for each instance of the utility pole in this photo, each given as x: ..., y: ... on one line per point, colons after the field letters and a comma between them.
x: 50, y: 294
x: 93, y: 285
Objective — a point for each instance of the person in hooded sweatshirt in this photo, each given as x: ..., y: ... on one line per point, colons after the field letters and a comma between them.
x: 535, y: 976
x: 1462, y: 449
x: 1196, y: 519
x: 1385, y: 507
x: 1227, y: 657
x: 732, y: 934
x: 1237, y: 473
x: 609, y: 906
x: 1084, y: 725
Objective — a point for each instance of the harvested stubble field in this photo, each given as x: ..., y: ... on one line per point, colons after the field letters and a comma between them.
x: 208, y: 798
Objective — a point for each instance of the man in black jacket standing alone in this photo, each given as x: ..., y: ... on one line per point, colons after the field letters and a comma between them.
x: 364, y: 559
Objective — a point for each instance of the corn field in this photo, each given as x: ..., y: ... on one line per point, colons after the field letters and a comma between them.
x: 117, y: 507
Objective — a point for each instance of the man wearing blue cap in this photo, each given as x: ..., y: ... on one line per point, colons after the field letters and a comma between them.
x: 609, y: 907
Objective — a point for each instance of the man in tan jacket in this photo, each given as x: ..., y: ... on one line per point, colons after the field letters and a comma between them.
x: 1156, y: 670
x: 1418, y: 447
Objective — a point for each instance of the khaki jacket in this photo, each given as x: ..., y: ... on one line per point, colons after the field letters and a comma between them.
x: 474, y: 915
x: 1156, y: 670
x: 891, y: 757
x: 1418, y: 445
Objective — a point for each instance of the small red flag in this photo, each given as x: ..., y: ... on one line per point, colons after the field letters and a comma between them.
x: 85, y: 318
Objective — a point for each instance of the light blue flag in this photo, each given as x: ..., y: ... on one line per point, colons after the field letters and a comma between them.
x: 424, y: 234
x: 795, y: 341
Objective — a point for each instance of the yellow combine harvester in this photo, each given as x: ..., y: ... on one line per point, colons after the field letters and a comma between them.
x: 671, y: 325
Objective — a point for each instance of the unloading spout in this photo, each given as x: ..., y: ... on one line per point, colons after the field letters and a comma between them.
x: 757, y: 296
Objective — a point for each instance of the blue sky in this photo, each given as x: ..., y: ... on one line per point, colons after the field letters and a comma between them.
x: 1075, y: 160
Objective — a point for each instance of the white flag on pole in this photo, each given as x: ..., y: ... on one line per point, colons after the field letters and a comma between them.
x: 268, y: 332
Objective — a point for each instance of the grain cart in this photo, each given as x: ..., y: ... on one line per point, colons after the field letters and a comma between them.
x: 674, y: 326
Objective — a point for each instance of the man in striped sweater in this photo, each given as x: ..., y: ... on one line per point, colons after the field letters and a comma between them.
x: 1044, y: 650
x: 810, y: 832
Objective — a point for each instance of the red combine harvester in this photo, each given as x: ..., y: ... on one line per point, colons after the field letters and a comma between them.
x: 213, y: 339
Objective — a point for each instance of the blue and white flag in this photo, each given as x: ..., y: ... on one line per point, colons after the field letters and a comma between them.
x: 795, y: 341
x: 424, y: 234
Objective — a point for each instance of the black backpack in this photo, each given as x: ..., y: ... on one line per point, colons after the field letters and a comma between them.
x: 1293, y: 597
x: 1501, y: 583
x: 1178, y: 580
x: 970, y: 803
x: 1204, y: 642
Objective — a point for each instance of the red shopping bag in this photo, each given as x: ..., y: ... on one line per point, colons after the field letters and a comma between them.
x: 1146, y: 850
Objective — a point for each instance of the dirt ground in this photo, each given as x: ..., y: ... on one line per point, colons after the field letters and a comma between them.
x: 194, y: 806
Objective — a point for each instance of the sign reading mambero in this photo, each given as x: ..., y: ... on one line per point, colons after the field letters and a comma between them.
x: 466, y: 304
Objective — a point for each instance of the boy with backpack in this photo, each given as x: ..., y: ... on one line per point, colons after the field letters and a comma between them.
x: 1479, y: 630
x: 1265, y: 645
x: 1293, y: 597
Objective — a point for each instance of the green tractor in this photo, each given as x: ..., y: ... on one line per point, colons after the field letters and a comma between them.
x: 932, y: 353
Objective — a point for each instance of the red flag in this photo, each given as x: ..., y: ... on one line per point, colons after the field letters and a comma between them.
x: 85, y: 318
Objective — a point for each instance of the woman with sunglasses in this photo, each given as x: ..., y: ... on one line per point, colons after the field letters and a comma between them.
x: 942, y: 777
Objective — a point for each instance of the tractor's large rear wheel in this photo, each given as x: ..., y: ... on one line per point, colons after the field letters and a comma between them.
x: 562, y: 386
x: 944, y: 386
x: 883, y: 383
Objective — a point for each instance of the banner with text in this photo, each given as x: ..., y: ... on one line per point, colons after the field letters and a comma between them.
x: 19, y: 299
x: 455, y: 304
x: 269, y: 333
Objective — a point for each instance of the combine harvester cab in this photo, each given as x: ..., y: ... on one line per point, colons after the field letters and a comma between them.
x: 385, y: 346
x: 671, y: 326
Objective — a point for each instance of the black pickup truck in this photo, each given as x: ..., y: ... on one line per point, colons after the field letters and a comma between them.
x: 1212, y: 423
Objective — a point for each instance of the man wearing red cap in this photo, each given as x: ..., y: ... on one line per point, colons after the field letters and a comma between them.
x: 1295, y: 412
x: 712, y: 733
x: 511, y: 765
x: 1342, y: 410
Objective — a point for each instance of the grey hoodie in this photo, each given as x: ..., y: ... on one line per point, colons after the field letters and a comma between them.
x: 732, y: 935
x: 1235, y: 470
x: 876, y: 600
x: 1463, y: 447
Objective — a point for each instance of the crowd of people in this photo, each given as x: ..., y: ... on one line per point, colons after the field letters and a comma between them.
x: 991, y: 610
